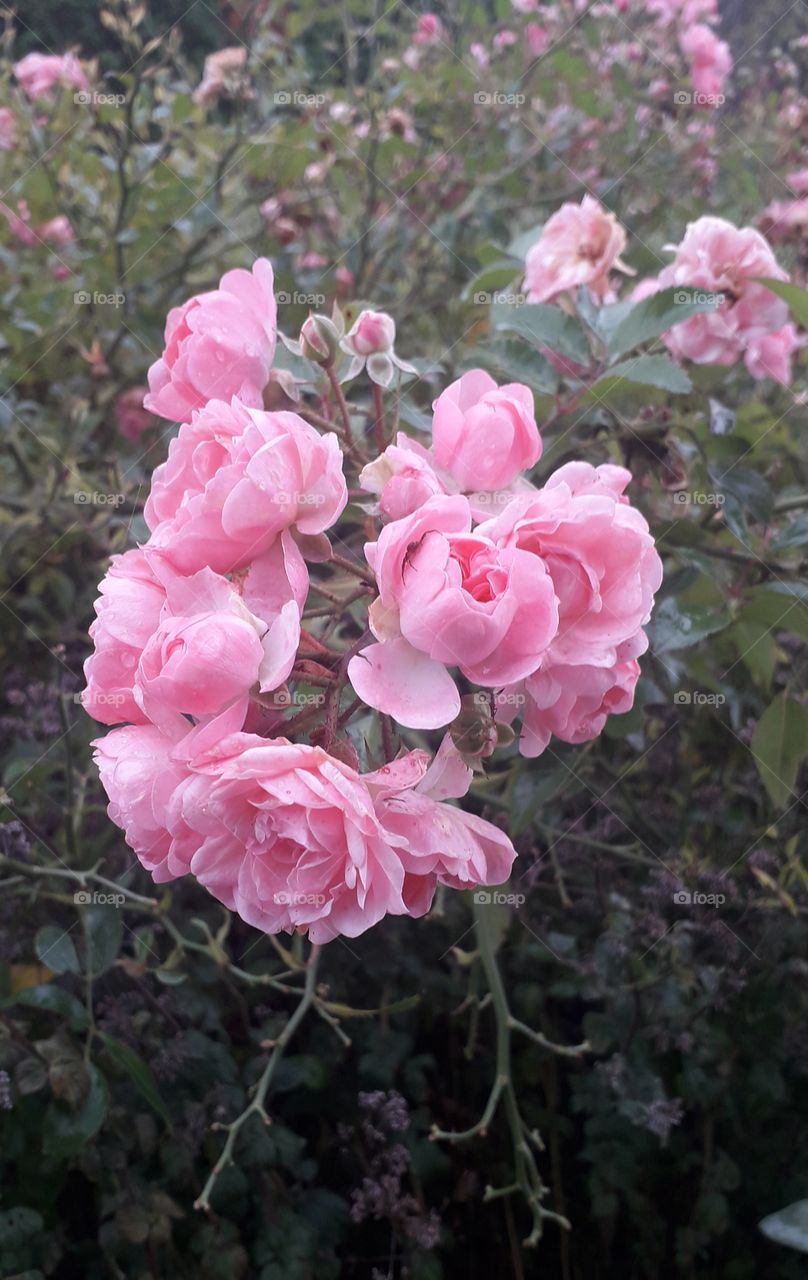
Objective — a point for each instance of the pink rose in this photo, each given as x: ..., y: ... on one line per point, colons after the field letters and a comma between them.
x: 573, y: 702
x: 168, y: 646
x: 441, y: 843
x: 485, y: 435
x: 131, y: 418
x: 290, y: 837
x: 57, y: 231
x: 141, y: 778
x: 403, y: 477
x: 580, y: 244
x: 128, y: 611
x: 235, y: 478
x: 598, y: 552
x: 719, y: 258
x: 710, y: 63
x: 19, y: 223
x: 538, y: 39
x: 8, y: 129
x: 448, y: 596
x: 429, y: 29
x: 40, y: 74
x: 223, y: 73
x: 770, y: 357
x: 217, y: 345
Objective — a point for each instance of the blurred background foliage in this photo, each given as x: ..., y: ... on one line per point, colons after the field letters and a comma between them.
x: 129, y: 1031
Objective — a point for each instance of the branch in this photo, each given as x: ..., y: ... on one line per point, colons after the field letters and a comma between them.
x: 256, y: 1107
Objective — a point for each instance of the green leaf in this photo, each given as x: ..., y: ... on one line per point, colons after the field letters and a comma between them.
x: 788, y: 1226
x: 778, y: 610
x: 757, y: 649
x: 649, y: 371
x: 654, y: 315
x: 514, y: 360
x: 54, y: 1000
x: 103, y: 928
x: 796, y: 297
x: 55, y: 949
x: 490, y: 280
x: 66, y: 1130
x: 744, y: 493
x: 545, y: 327
x: 779, y: 745
x: 794, y: 534
x: 140, y: 1074
x: 678, y: 626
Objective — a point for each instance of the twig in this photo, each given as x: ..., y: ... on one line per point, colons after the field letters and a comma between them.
x: 256, y: 1107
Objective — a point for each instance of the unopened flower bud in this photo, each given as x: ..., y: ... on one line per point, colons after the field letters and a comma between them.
x: 319, y: 339
x: 373, y: 331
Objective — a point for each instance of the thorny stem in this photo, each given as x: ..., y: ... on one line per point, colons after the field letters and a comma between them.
x: 341, y: 402
x: 528, y: 1180
x: 256, y: 1107
x: 353, y: 566
x: 379, y: 429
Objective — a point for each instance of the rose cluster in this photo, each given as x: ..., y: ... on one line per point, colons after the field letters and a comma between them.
x: 535, y: 598
x: 580, y: 245
x: 199, y: 636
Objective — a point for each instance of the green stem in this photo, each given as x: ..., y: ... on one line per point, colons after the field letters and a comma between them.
x: 256, y: 1107
x: 528, y: 1180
